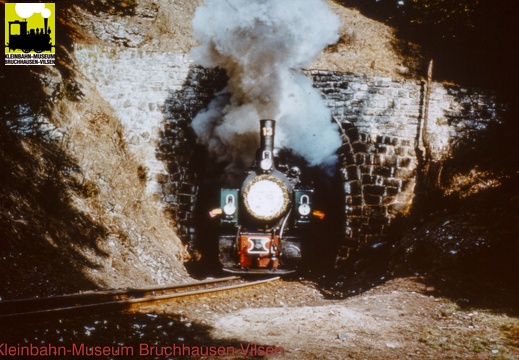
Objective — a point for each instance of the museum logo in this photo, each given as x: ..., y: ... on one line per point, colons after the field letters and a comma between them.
x: 30, y: 34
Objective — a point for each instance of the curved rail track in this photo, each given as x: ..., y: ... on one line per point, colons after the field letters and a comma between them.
x: 40, y: 309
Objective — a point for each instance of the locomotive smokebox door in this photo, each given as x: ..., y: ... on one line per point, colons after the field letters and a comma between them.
x: 229, y: 206
x: 303, y: 206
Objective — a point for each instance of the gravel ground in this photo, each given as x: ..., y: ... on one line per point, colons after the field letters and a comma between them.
x: 402, y: 318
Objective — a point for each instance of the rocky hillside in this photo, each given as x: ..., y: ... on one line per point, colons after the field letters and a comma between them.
x: 365, y: 46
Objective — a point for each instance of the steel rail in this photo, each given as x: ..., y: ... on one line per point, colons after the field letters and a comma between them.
x: 21, y: 305
x: 178, y: 291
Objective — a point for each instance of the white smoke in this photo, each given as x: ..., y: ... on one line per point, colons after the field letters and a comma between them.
x: 26, y: 10
x: 262, y: 45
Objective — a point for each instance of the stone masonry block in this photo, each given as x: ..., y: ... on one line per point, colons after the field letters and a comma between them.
x: 345, y: 148
x: 369, y: 159
x: 375, y: 210
x: 353, y: 172
x: 384, y: 171
x: 373, y: 199
x: 391, y: 161
x: 360, y: 147
x: 381, y: 149
x: 395, y: 182
x: 355, y: 210
x: 348, y: 231
x: 360, y: 159
x: 347, y: 159
x: 374, y: 190
x: 357, y: 221
x: 371, y: 229
x: 353, y: 134
x: 352, y: 187
x: 401, y: 150
x: 404, y: 161
x: 356, y: 200
x: 379, y: 221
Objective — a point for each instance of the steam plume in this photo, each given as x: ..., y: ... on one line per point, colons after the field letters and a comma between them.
x: 262, y: 45
x: 26, y: 10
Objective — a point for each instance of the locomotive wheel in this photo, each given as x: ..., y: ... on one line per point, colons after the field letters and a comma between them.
x: 26, y: 50
x: 38, y: 51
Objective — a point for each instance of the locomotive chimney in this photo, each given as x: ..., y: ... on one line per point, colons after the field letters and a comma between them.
x: 45, y: 23
x: 267, y: 134
x: 266, y: 150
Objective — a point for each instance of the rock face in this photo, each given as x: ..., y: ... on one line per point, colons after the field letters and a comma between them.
x: 384, y: 134
x: 77, y: 211
x: 136, y: 84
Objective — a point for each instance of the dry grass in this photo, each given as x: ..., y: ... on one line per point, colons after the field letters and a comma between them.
x: 369, y: 47
x: 74, y: 212
x: 138, y: 229
x: 365, y: 46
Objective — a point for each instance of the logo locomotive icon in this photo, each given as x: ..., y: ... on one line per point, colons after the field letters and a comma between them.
x: 29, y: 34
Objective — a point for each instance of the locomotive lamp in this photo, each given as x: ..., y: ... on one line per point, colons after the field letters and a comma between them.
x: 318, y: 214
x: 303, y: 201
x: 304, y: 208
x: 265, y: 154
x: 229, y: 205
x: 266, y: 162
x: 229, y: 208
x: 215, y: 212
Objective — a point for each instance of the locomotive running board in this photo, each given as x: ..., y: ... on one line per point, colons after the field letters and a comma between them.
x: 259, y: 271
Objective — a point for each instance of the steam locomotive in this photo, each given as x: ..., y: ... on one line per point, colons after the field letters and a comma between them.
x: 264, y: 224
x: 27, y: 40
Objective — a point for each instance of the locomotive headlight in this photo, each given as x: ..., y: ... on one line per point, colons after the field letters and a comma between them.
x: 304, y: 209
x: 266, y: 164
x: 229, y: 209
x: 266, y: 197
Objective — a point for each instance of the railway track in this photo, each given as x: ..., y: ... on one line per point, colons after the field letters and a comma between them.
x: 41, y: 309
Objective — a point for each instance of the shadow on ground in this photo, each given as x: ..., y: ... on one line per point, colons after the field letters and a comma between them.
x: 128, y: 336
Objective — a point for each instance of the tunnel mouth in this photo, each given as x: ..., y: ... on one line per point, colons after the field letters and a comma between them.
x: 191, y: 187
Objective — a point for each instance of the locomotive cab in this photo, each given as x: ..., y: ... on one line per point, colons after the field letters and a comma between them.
x: 263, y: 223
